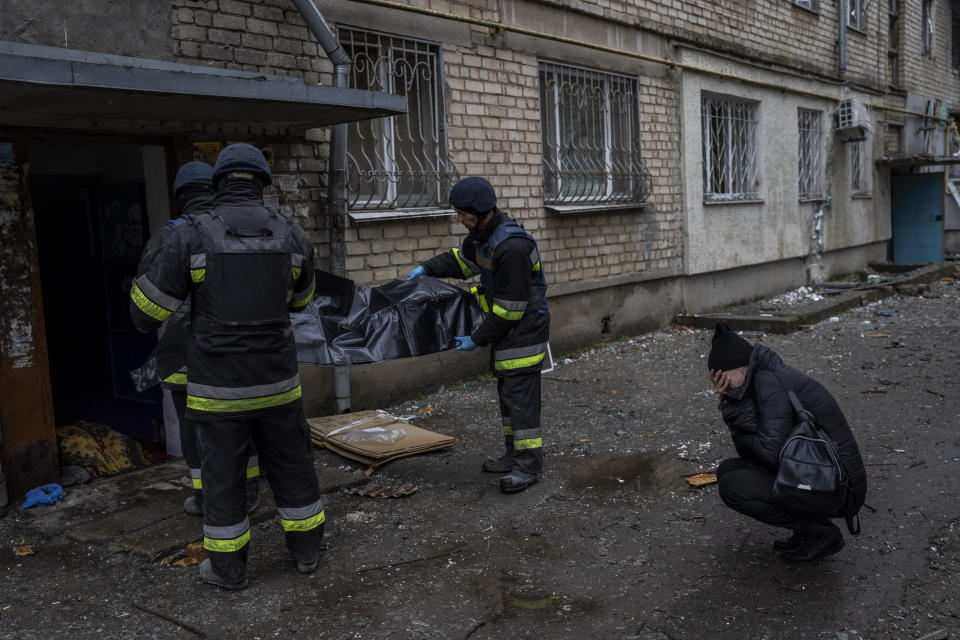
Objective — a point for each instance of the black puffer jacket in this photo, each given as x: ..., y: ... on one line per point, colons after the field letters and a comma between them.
x: 761, y: 417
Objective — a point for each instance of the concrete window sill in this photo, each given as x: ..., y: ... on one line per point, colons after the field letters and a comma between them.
x: 398, y: 214
x: 714, y: 203
x: 594, y: 208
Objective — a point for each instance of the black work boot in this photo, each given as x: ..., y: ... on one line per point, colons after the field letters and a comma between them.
x: 517, y: 480
x: 193, y: 505
x: 207, y: 575
x: 253, y: 494
x: 307, y: 567
x: 820, y: 540
x: 788, y: 544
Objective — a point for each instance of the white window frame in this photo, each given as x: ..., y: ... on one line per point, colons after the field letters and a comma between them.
x: 926, y: 28
x: 855, y: 18
x: 581, y: 168
x: 810, y: 148
x: 731, y: 172
x: 861, y: 173
x: 377, y: 172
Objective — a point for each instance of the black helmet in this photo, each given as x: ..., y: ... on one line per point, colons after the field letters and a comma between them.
x: 193, y: 173
x: 242, y: 157
x: 473, y: 195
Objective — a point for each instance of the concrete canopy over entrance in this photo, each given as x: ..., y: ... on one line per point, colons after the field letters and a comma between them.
x: 49, y: 83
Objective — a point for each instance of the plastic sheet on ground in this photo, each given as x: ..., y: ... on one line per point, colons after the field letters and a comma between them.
x: 330, y: 432
x: 348, y: 325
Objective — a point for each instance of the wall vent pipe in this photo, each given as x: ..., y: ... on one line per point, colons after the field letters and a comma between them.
x: 336, y: 173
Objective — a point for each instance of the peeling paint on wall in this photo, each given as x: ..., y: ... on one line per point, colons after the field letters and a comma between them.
x: 17, y: 340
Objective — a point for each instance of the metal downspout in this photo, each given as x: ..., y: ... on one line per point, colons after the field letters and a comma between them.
x: 842, y: 37
x: 336, y: 172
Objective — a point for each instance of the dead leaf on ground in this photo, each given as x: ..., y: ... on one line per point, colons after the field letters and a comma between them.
x: 701, y: 479
x: 23, y: 550
x: 428, y: 410
x: 194, y: 554
x: 621, y: 433
x: 878, y: 335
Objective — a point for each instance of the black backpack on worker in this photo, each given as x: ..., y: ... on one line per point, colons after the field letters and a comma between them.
x: 811, y: 474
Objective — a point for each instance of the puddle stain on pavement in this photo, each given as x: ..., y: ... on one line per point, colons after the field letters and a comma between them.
x: 648, y: 473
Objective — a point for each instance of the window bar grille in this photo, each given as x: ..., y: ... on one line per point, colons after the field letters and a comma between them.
x: 810, y: 153
x: 730, y: 150
x: 591, y: 140
x: 400, y: 162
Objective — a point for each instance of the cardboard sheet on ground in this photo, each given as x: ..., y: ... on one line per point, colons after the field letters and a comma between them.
x: 374, y: 437
x: 346, y: 325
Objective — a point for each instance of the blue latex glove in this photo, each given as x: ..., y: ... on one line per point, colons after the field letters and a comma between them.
x: 42, y: 495
x: 416, y: 272
x: 465, y: 343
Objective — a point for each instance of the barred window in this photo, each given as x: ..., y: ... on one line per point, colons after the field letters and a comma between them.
x: 400, y: 162
x: 730, y: 170
x: 590, y: 125
x: 859, y: 168
x: 810, y: 153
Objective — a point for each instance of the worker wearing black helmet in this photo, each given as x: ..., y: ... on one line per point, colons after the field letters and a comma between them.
x: 246, y: 269
x: 193, y: 190
x: 516, y: 322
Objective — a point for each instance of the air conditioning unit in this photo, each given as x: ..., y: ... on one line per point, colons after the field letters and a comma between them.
x: 851, y: 121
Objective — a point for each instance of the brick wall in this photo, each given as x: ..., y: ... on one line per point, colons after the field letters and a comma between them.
x: 493, y: 115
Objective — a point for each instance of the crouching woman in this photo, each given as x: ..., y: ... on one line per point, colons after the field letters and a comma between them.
x: 754, y: 382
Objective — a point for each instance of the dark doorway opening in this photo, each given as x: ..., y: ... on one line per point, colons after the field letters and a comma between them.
x: 90, y: 209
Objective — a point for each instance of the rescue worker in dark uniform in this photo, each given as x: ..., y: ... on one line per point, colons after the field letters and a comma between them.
x: 193, y: 189
x: 246, y: 269
x: 516, y: 322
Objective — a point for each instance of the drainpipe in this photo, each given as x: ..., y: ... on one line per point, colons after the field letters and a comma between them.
x: 842, y: 37
x: 337, y: 173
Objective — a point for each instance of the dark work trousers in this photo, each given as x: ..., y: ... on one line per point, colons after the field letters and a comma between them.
x: 286, y: 452
x: 189, y: 447
x: 748, y: 489
x: 519, y: 396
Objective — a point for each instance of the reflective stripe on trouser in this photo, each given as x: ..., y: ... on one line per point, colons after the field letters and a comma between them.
x: 284, y: 450
x: 519, y: 397
x: 506, y: 361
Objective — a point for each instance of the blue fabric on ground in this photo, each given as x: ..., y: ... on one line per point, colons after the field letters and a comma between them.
x: 43, y: 495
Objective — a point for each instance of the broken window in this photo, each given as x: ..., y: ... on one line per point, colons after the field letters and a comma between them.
x: 926, y: 25
x: 855, y: 14
x: 730, y: 170
x: 859, y: 168
x: 399, y: 162
x: 590, y: 127
x: 811, y: 153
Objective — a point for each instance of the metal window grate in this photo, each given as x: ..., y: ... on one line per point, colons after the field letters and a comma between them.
x: 810, y: 151
x: 590, y: 124
x: 730, y: 169
x: 399, y: 162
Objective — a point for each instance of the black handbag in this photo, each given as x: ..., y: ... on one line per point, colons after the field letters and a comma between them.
x: 811, y: 475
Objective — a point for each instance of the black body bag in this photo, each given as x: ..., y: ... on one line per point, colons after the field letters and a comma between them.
x: 811, y: 474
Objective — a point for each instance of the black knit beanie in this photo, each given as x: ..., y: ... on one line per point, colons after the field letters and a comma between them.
x: 728, y: 350
x: 473, y: 195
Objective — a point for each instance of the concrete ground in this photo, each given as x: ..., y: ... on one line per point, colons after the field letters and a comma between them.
x: 612, y: 543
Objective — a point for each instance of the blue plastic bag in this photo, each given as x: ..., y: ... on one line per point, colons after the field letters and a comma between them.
x: 43, y: 495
